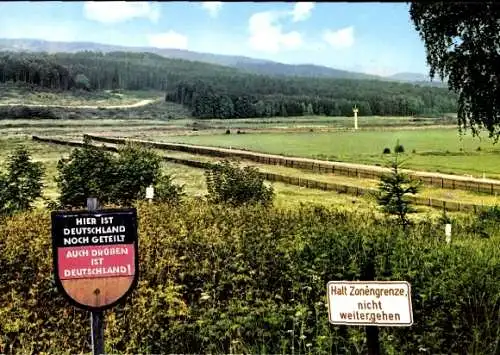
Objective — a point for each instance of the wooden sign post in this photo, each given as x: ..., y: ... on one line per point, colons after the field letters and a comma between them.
x: 95, y: 256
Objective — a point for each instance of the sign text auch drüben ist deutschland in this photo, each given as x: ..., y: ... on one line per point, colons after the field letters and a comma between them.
x: 95, y: 256
x: 375, y: 303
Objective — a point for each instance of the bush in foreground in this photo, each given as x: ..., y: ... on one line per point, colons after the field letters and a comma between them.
x: 227, y: 182
x: 253, y: 280
x: 116, y: 179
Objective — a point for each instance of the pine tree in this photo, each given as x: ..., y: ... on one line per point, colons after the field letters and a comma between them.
x: 22, y: 184
x: 394, y: 189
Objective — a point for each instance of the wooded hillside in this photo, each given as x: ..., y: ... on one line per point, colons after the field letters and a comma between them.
x: 221, y: 92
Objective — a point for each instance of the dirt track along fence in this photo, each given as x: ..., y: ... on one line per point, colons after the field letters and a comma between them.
x: 338, y: 168
x: 448, y: 205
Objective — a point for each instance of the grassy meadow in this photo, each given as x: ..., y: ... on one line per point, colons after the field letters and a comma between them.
x: 440, y: 150
x: 287, y: 196
x: 192, y: 179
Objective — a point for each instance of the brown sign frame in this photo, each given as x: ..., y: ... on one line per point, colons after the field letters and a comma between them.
x: 127, y: 214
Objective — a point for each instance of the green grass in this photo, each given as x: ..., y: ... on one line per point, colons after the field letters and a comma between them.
x: 74, y: 129
x: 441, y: 150
x: 289, y: 196
x: 426, y: 191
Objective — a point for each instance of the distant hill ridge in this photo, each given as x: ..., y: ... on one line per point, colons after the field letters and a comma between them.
x: 242, y: 63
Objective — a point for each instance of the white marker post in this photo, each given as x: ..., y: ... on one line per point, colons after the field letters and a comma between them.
x: 355, y: 110
x: 447, y: 232
x: 150, y: 192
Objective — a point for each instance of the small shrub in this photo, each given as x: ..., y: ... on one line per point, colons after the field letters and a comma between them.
x: 399, y: 148
x: 13, y: 112
x: 229, y: 183
x: 387, y: 150
x: 414, y: 151
x: 486, y: 222
x: 167, y: 191
x: 444, y: 218
x: 135, y: 168
x: 478, y: 149
x: 228, y: 131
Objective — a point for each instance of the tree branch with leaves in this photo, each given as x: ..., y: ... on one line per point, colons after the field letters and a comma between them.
x: 462, y: 41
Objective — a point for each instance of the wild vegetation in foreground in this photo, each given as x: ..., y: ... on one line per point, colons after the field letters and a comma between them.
x: 253, y: 280
x: 234, y: 274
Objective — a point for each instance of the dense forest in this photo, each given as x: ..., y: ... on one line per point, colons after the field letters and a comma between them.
x: 222, y: 92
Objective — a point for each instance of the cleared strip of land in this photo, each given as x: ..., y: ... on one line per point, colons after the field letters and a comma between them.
x: 137, y: 104
x: 296, y: 180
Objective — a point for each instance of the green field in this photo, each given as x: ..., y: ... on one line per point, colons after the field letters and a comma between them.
x: 435, y: 149
x: 194, y: 181
x: 441, y: 150
x: 75, y: 128
x: 425, y: 191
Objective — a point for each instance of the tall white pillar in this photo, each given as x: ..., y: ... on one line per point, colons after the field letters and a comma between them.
x: 355, y: 110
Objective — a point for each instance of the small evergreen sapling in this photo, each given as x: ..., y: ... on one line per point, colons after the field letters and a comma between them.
x: 22, y: 183
x: 394, y: 189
